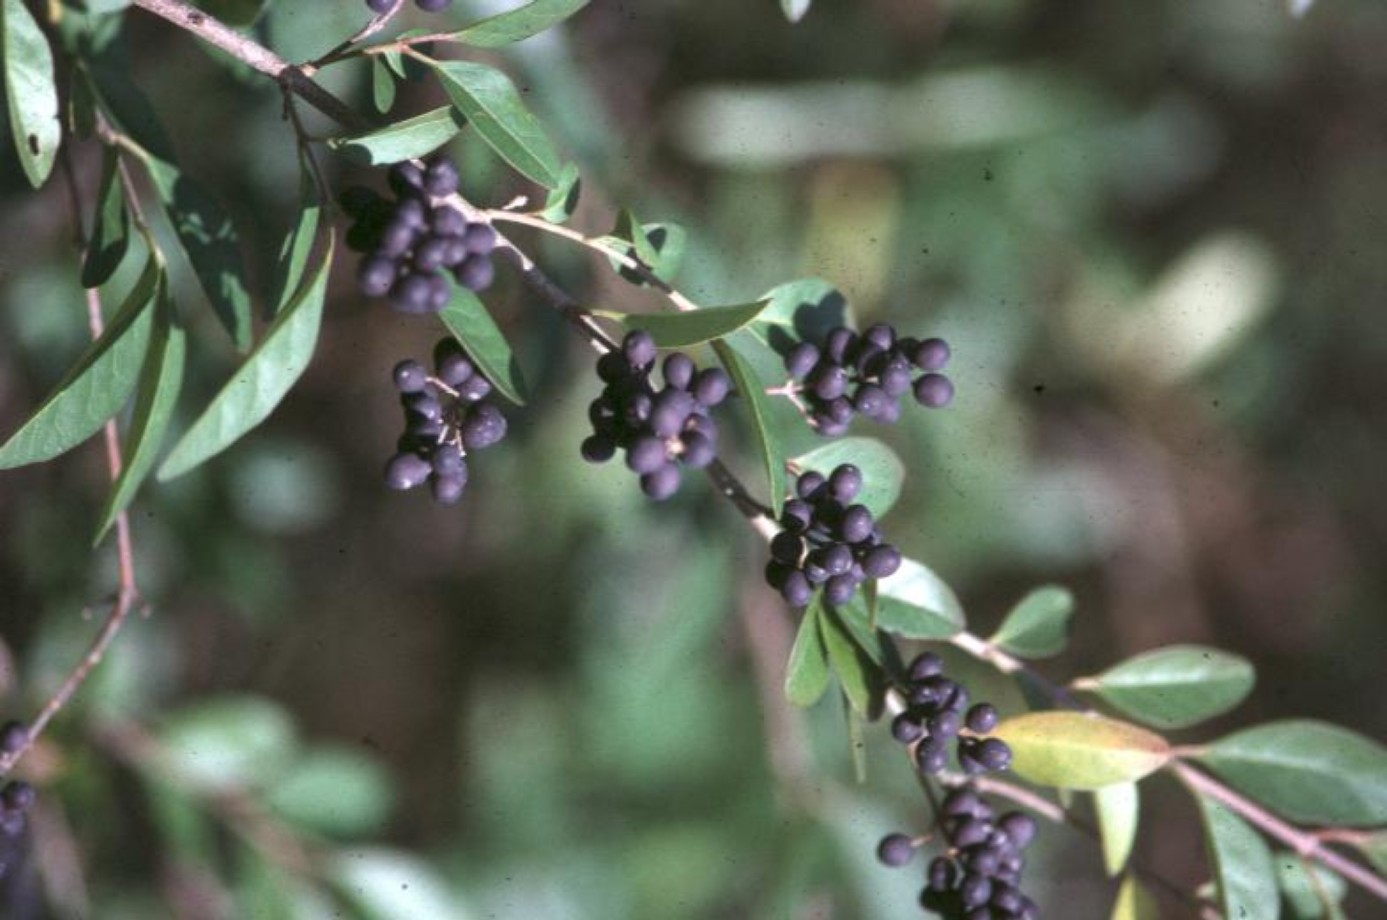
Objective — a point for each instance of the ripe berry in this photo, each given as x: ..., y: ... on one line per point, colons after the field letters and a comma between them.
x: 405, y: 471
x: 662, y: 482
x: 895, y: 850
x: 934, y: 391
x: 13, y: 736
x: 410, y: 376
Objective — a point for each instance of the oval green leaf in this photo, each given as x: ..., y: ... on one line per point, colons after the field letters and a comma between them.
x: 917, y: 604
x: 160, y: 383
x: 382, y: 85
x: 804, y: 309
x: 96, y: 386
x: 1075, y: 750
x: 262, y: 380
x: 332, y: 791
x: 1118, y: 808
x: 404, y: 140
x: 882, y: 471
x: 110, y: 234
x: 297, y: 247
x: 491, y: 103
x: 210, y: 242
x: 1243, y: 871
x: 1175, y: 687
x: 1038, y: 626
x: 1134, y: 902
x: 681, y: 330
x: 467, y: 318
x: 30, y: 93
x: 753, y: 396
x: 806, y: 675
x: 519, y: 24
x: 1308, y: 771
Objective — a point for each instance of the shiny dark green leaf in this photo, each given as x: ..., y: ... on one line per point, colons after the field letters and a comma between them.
x: 1174, y: 687
x: 917, y: 604
x: 1038, y: 626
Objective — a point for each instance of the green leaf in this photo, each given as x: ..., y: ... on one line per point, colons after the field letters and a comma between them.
x: 562, y: 200
x: 1308, y: 771
x: 297, y: 247
x: 857, y: 618
x: 1374, y: 849
x: 227, y: 743
x: 390, y: 885
x: 110, y: 235
x: 1134, y: 902
x: 404, y: 140
x: 680, y: 330
x: 1242, y: 864
x: 262, y: 380
x: 857, y: 743
x: 1174, y: 687
x: 882, y: 471
x: 1312, y: 892
x: 915, y: 603
x: 1118, y: 808
x: 332, y: 791
x: 794, y: 10
x: 30, y: 92
x: 855, y: 670
x: 209, y: 239
x: 1038, y: 626
x: 382, y: 85
x: 658, y: 247
x: 753, y: 394
x: 493, y: 106
x: 161, y: 380
x: 801, y: 310
x: 96, y: 386
x: 518, y: 24
x: 1075, y: 750
x: 471, y: 324
x: 806, y: 675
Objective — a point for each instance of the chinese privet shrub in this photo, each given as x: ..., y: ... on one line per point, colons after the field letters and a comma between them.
x: 681, y: 394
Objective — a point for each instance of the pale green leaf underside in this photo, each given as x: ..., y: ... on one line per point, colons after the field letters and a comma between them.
x: 404, y: 140
x: 30, y: 92
x: 1074, y: 750
x: 1038, y: 626
x: 1177, y: 686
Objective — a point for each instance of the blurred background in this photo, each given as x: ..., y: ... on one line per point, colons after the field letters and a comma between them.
x: 1152, y: 231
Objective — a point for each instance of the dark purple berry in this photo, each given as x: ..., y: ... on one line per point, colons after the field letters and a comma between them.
x: 1019, y: 828
x: 646, y: 455
x: 678, y: 370
x: 597, y: 449
x: 796, y: 590
x: 475, y: 273
x: 982, y: 718
x: 809, y: 484
x: 405, y: 179
x: 412, y: 294
x: 934, y: 391
x: 994, y: 754
x: 698, y: 450
x: 926, y: 664
x: 483, y: 427
x: 480, y: 238
x: 441, y: 177
x: 662, y: 483
x: 856, y: 525
x: 473, y: 389
x: 447, y: 462
x: 18, y: 796
x: 446, y: 220
x: 447, y: 490
x: 13, y: 736
x: 801, y: 359
x: 454, y: 369
x: 931, y: 355
x: 839, y: 590
x: 906, y: 729
x: 895, y: 850
x: 405, y: 471
x: 410, y: 376
x: 712, y: 386
x: 881, y: 561
x: 638, y: 348
x: 845, y: 483
x: 375, y: 275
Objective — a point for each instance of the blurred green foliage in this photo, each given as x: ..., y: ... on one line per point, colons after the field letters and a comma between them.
x: 1152, y: 232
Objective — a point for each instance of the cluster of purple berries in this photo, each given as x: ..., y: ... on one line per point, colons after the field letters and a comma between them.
x: 827, y: 540
x: 446, y: 415
x: 979, y: 878
x: 16, y: 798
x: 867, y: 374
x: 936, y: 717
x: 660, y: 430
x: 428, y: 6
x: 412, y: 241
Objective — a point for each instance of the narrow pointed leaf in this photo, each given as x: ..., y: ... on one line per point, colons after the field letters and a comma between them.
x: 382, y: 85
x: 917, y: 604
x: 1038, y: 626
x: 882, y: 471
x: 1242, y: 866
x: 1308, y: 771
x: 680, y: 330
x: 210, y: 241
x: 854, y: 669
x: 471, y: 324
x: 1175, y: 687
x: 30, y: 93
x: 518, y: 24
x: 1134, y: 902
x: 96, y: 386
x: 1075, y: 750
x: 753, y: 396
x: 807, y: 674
x: 492, y: 104
x: 110, y: 235
x: 404, y: 140
x: 263, y: 379
x: 297, y: 247
x: 1118, y: 808
x: 857, y: 619
x: 857, y: 743
x: 161, y: 380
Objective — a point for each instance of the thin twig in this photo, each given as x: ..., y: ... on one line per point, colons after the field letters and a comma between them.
x: 377, y: 22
